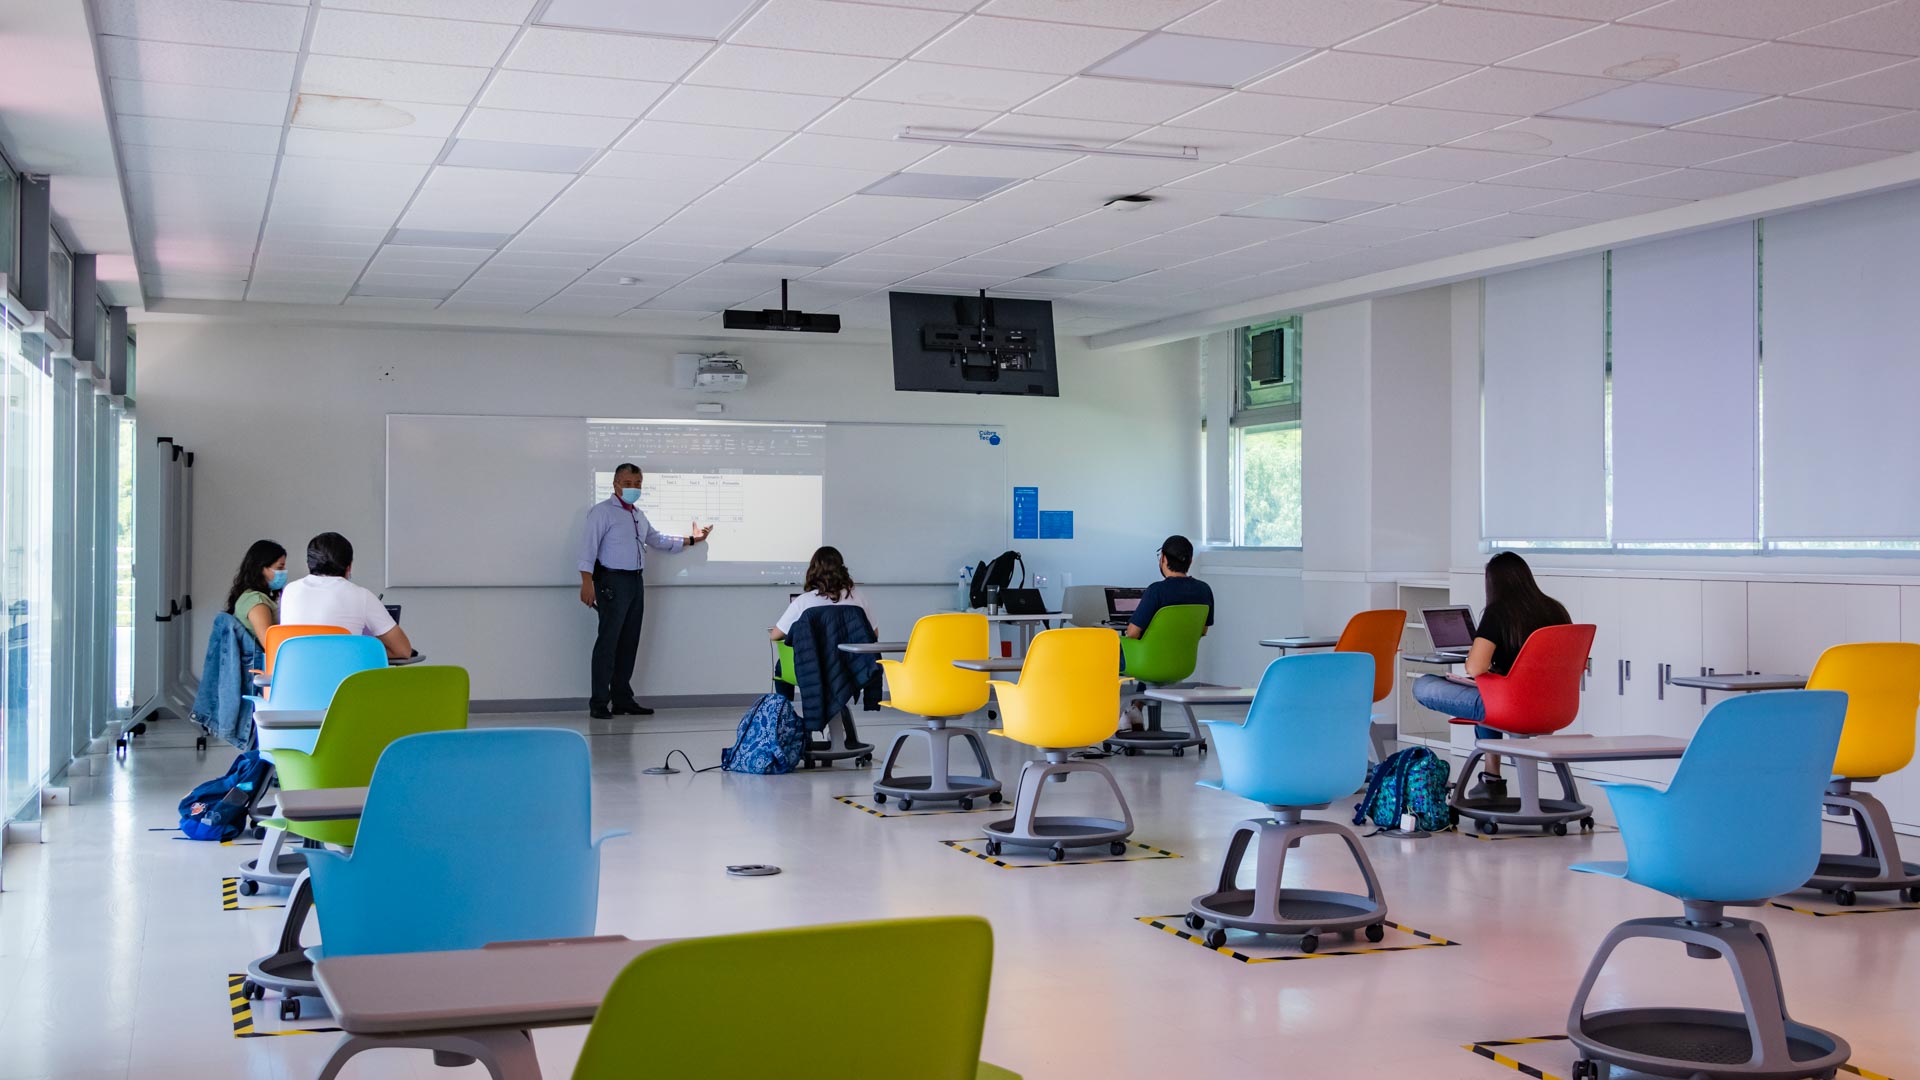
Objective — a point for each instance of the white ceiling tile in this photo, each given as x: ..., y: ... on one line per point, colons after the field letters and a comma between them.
x: 885, y: 119
x: 1519, y: 226
x: 1627, y: 52
x: 581, y: 52
x: 204, y: 22
x: 1466, y: 35
x: 1696, y: 184
x: 1678, y: 148
x: 1343, y: 232
x: 1893, y: 28
x: 1776, y: 68
x: 1801, y: 159
x: 722, y: 107
x: 1656, y: 104
x: 362, y: 146
x: 199, y: 102
x: 136, y: 157
x: 1338, y: 155
x: 987, y: 161
x: 500, y: 11
x: 1126, y: 14
x: 1790, y: 118
x: 1510, y: 91
x: 405, y: 37
x: 539, y: 157
x: 1579, y: 174
x: 1125, y: 174
x: 1895, y: 86
x: 488, y: 200
x: 669, y: 167
x: 1547, y: 135
x: 829, y: 27
x: 1018, y: 45
x: 1252, y: 180
x: 1417, y: 127
x: 1297, y: 22
x: 1749, y: 18
x: 1454, y: 163
x: 1586, y: 9
x: 918, y: 83
x: 329, y: 113
x: 1371, y: 187
x: 1080, y: 132
x: 804, y: 179
x: 198, y: 134
x: 708, y: 19
x: 1604, y: 206
x: 1490, y: 198
x: 1351, y: 76
x: 201, y: 65
x: 440, y: 84
x: 1418, y: 217
x: 294, y: 294
x: 1089, y: 98
x: 785, y: 70
x: 1198, y: 61
x: 583, y: 95
x: 509, y: 125
x: 1271, y: 114
x: 841, y: 152
x: 1900, y: 132
x: 696, y: 140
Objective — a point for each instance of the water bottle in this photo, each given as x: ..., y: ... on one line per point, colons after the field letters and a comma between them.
x: 963, y: 596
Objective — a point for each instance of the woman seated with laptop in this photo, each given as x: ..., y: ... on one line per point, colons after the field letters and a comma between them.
x: 1515, y: 609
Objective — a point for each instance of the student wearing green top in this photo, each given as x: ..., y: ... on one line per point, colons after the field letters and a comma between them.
x: 254, y: 598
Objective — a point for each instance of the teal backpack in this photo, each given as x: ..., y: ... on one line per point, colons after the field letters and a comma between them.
x: 1412, y: 781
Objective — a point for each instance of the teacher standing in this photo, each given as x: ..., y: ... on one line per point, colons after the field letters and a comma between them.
x: 612, y: 554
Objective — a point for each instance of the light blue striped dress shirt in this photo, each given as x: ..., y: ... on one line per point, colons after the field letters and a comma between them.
x: 616, y: 534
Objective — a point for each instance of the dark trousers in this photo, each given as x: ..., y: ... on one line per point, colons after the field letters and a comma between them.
x: 620, y: 601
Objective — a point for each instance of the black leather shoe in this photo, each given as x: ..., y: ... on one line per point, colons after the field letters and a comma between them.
x: 632, y: 709
x: 599, y: 712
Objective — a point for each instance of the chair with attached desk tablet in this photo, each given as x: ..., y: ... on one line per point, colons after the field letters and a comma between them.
x: 1539, y: 695
x: 1376, y: 633
x: 444, y: 820
x: 676, y: 1010
x: 1763, y: 759
x: 1882, y: 684
x: 926, y: 684
x: 279, y: 635
x: 1304, y: 741
x: 1068, y: 697
x: 1165, y: 654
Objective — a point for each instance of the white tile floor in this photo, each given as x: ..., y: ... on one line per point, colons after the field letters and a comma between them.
x: 114, y: 948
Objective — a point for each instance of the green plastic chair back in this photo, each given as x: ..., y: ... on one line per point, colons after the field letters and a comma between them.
x: 676, y: 1010
x: 785, y: 652
x: 370, y: 710
x: 1170, y: 649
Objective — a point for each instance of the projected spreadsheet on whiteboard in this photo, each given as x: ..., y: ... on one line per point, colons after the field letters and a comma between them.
x: 758, y: 485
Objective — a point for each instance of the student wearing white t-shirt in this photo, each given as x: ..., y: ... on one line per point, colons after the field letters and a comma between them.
x: 827, y: 582
x: 326, y: 598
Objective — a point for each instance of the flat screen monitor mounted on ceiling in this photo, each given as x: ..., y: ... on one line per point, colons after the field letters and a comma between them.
x: 973, y: 345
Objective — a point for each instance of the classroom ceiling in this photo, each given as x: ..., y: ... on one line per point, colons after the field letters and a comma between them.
x: 656, y: 161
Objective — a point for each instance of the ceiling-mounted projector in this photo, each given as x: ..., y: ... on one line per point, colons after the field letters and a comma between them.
x: 715, y: 373
x: 783, y: 319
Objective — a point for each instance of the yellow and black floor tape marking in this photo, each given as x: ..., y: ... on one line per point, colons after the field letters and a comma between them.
x: 1176, y: 925
x: 1136, y: 852
x: 1490, y: 1049
x: 1872, y: 909
x: 230, y: 897
x: 865, y: 803
x: 243, y: 1015
x: 1529, y: 832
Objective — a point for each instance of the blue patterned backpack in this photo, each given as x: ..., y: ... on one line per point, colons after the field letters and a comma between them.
x: 770, y: 741
x: 1412, y: 781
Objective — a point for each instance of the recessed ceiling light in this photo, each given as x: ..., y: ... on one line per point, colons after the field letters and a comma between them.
x: 1662, y: 104
x: 525, y: 157
x: 707, y: 19
x: 1201, y: 61
x: 452, y: 238
x: 1306, y: 208
x: 789, y: 257
x: 1090, y: 271
x: 938, y: 186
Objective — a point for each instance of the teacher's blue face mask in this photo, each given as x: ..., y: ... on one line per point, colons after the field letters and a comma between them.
x: 630, y: 496
x: 279, y: 580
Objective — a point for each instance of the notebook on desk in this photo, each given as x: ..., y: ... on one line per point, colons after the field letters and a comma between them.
x: 1450, y: 629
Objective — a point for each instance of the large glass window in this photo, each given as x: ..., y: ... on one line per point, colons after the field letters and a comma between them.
x: 25, y: 581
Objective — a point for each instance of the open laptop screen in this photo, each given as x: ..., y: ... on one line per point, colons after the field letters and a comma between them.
x: 1449, y: 627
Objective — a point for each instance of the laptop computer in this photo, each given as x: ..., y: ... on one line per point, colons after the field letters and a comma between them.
x: 394, y: 611
x: 1121, y: 604
x: 1450, y: 629
x: 1024, y: 602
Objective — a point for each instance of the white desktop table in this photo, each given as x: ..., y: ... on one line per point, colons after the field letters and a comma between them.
x: 1298, y: 642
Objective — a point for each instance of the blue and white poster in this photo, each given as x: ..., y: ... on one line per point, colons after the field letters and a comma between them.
x: 1056, y: 525
x: 1026, y: 513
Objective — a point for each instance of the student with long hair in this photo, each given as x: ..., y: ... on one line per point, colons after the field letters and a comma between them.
x: 1515, y: 609
x: 827, y: 582
x: 254, y: 597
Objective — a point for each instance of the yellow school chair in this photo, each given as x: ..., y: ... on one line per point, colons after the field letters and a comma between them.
x: 926, y: 684
x: 1882, y: 683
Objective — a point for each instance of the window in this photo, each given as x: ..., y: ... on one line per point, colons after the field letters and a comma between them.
x: 25, y: 577
x: 9, y: 218
x: 1269, y: 365
x: 1265, y: 445
x: 123, y: 564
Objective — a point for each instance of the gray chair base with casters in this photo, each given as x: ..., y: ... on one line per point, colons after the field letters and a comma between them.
x: 1131, y: 741
x: 851, y: 748
x: 279, y: 864
x: 1877, y: 868
x: 939, y: 785
x: 503, y: 1053
x: 1761, y: 1042
x: 1268, y: 908
x: 1529, y: 809
x: 1028, y: 829
x: 288, y: 970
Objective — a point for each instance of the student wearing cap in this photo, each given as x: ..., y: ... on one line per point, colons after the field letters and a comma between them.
x: 1174, y: 587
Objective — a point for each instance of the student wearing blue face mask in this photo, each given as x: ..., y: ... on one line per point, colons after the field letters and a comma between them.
x: 612, y: 553
x: 254, y: 598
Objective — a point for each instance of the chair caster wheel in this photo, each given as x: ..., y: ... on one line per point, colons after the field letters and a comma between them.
x: 248, y: 886
x: 1488, y: 828
x: 259, y: 832
x: 1844, y: 897
x: 1559, y: 828
x: 879, y: 798
x: 1056, y: 853
x: 1586, y: 824
x: 1178, y: 752
x: 993, y: 847
x: 864, y: 762
x: 1195, y: 922
x: 1203, y: 749
x: 200, y: 743
x: 290, y: 1009
x: 1376, y: 932
x: 1309, y: 943
x: 1117, y: 848
x: 1911, y: 895
x: 966, y: 804
x: 1130, y: 751
x: 906, y: 804
x: 996, y: 798
x: 1215, y: 938
x: 248, y: 990
x: 1586, y: 1070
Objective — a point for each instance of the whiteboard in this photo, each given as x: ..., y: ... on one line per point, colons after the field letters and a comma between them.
x: 500, y: 500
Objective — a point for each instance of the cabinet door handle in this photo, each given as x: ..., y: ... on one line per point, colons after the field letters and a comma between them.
x: 1660, y: 682
x: 1620, y: 676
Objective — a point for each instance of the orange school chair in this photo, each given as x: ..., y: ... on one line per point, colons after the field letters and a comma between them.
x: 1377, y: 633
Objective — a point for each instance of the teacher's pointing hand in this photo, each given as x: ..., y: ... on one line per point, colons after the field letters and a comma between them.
x: 697, y: 534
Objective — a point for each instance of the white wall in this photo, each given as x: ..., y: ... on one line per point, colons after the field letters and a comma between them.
x: 289, y: 426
